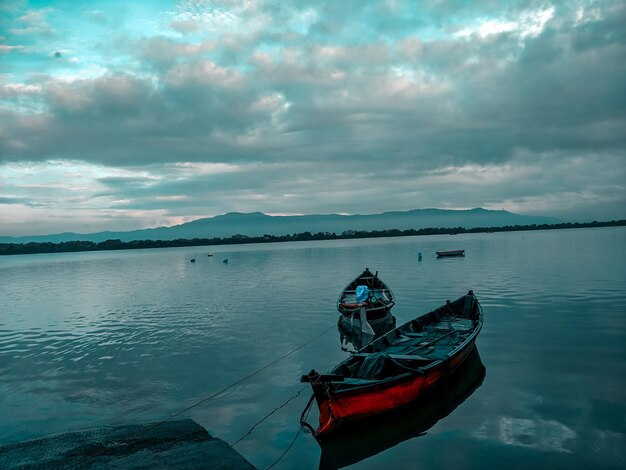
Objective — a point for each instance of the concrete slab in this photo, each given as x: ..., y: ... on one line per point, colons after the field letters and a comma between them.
x: 182, y: 444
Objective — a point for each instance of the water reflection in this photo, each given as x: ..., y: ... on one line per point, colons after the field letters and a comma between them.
x: 544, y: 435
x: 365, y: 438
x: 353, y: 337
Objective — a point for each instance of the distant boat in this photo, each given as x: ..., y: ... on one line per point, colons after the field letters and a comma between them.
x: 225, y: 261
x: 210, y: 254
x: 193, y: 260
x: 376, y: 302
x: 442, y: 254
x: 397, y: 368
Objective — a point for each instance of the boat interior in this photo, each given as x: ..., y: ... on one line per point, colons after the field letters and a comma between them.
x: 414, y: 345
x: 349, y: 295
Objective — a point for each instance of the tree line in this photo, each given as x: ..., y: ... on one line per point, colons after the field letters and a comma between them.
x: 78, y: 245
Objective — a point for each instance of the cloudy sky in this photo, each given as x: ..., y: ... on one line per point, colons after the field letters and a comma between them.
x: 124, y: 115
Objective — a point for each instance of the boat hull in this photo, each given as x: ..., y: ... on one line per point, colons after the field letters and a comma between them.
x: 342, y: 408
x: 358, y: 440
x: 444, y: 254
x: 395, y: 369
x: 374, y: 315
x: 373, y: 318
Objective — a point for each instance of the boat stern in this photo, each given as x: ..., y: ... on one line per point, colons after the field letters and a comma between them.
x: 320, y: 383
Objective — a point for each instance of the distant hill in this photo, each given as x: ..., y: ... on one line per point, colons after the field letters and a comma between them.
x: 257, y: 223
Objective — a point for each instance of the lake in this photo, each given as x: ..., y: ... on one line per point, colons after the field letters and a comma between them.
x: 117, y: 337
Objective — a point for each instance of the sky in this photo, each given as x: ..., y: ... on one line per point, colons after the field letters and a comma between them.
x: 118, y: 115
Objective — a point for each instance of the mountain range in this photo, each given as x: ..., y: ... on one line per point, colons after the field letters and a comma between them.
x: 258, y: 224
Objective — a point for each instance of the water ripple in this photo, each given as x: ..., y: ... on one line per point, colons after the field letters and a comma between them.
x: 102, y: 338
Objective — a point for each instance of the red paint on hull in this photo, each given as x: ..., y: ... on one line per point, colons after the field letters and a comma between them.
x: 360, y: 403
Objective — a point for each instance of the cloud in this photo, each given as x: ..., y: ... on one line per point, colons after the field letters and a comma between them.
x: 346, y: 89
x: 34, y: 22
x: 5, y: 48
x: 163, y: 53
x: 12, y: 200
x: 19, y: 89
x: 414, y: 105
x: 97, y: 16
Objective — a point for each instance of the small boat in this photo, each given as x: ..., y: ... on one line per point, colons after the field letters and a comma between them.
x: 441, y: 254
x: 376, y: 302
x: 193, y: 260
x: 225, y: 261
x: 395, y: 369
x: 209, y: 254
x: 367, y: 437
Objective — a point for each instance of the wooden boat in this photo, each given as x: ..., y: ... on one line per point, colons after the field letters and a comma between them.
x: 441, y: 254
x: 377, y: 307
x: 364, y: 438
x: 398, y: 367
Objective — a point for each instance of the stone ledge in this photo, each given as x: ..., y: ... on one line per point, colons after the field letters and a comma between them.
x: 180, y: 444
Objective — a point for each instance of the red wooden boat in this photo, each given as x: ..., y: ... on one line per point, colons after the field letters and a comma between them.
x: 366, y: 437
x: 398, y: 367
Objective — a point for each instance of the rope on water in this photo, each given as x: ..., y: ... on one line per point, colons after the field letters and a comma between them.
x: 287, y: 449
x: 303, y: 425
x: 267, y: 416
x: 213, y: 395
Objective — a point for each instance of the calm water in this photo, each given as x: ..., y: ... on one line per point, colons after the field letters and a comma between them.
x: 133, y: 336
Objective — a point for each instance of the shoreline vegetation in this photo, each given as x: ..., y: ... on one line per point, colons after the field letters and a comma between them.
x: 74, y: 246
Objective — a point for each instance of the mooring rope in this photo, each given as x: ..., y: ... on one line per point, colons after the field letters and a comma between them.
x: 287, y: 449
x: 213, y: 395
x: 307, y: 410
x: 267, y: 416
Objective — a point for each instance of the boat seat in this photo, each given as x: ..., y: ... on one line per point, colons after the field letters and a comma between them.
x: 401, y: 357
x: 368, y: 287
x: 409, y: 357
x: 354, y: 381
x: 349, y: 370
x: 444, y: 329
x: 401, y: 339
x: 455, y: 326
